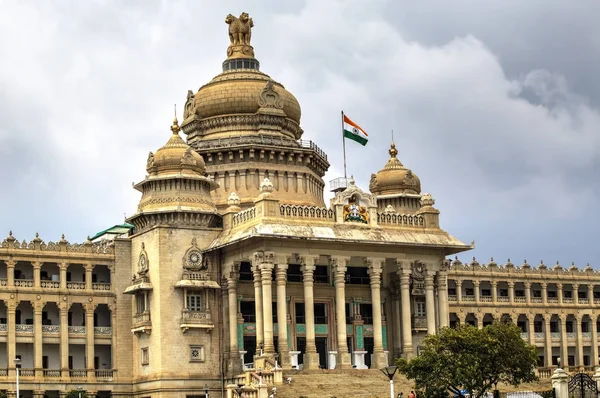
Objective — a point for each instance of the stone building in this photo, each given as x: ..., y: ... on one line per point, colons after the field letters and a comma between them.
x: 233, y: 261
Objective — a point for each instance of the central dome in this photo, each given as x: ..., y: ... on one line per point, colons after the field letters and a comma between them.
x: 238, y: 91
x: 394, y: 178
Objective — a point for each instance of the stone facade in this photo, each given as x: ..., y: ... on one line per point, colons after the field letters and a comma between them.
x: 234, y: 267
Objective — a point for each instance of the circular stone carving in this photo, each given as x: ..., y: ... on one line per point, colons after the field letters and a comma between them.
x: 90, y: 299
x: 38, y: 297
x: 65, y: 298
x: 12, y: 296
x: 195, y: 258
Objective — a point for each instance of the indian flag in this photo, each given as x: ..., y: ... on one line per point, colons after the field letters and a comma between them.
x: 354, y: 132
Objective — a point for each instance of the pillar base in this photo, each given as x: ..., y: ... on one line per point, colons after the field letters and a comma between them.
x: 379, y: 360
x: 407, y: 352
x: 344, y: 360
x: 311, y: 360
x: 284, y: 360
x: 234, y: 366
x: 294, y: 359
x: 359, y: 359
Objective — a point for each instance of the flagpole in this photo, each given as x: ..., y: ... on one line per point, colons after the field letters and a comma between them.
x: 344, y: 146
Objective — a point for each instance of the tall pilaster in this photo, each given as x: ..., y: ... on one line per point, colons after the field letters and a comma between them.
x: 579, y: 338
x: 375, y: 268
x: 595, y: 354
x: 37, y: 338
x: 265, y: 263
x: 339, y: 265
x: 459, y: 293
x: 544, y: 292
x: 11, y: 346
x: 429, y: 302
x: 511, y: 292
x: 528, y: 293
x: 531, y: 328
x: 404, y: 273
x: 64, y: 339
x: 282, y: 338
x: 10, y: 272
x: 63, y: 275
x: 559, y: 289
x: 258, y: 303
x: 37, y: 266
x: 547, y: 341
x: 234, y: 350
x: 476, y: 285
x: 89, y: 267
x: 564, y: 350
x: 442, y: 283
x: 311, y: 357
x: 89, y: 340
x: 576, y: 294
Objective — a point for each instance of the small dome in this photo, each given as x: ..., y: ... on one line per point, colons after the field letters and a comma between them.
x: 175, y: 157
x: 394, y: 178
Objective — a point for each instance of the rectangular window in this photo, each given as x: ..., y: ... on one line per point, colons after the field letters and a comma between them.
x: 420, y: 306
x: 294, y: 273
x: 537, y: 293
x: 567, y: 294
x: 486, y: 292
x: 554, y: 327
x: 519, y: 293
x: 537, y: 326
x: 469, y: 292
x: 246, y: 271
x: 196, y: 353
x: 194, y: 302
x: 140, y: 304
x: 321, y: 274
x: 145, y: 356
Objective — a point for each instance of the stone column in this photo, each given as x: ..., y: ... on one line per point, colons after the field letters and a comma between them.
x: 462, y: 318
x: 404, y: 273
x: 234, y: 351
x: 37, y: 337
x: 575, y: 293
x: 282, y: 338
x: 559, y: 289
x: 528, y: 293
x: 476, y: 285
x: 88, y: 276
x: 547, y: 341
x: 479, y: 317
x: 595, y: 354
x: 64, y: 339
x: 11, y: 345
x: 10, y: 272
x: 511, y: 292
x: 459, y: 294
x: 531, y: 328
x: 258, y: 302
x: 544, y: 292
x: 63, y: 275
x: 579, y: 338
x: 375, y: 268
x: 89, y: 334
x: 37, y: 265
x: 494, y: 292
x: 396, y: 314
x: 265, y: 263
x: 591, y: 295
x: 339, y: 265
x: 564, y: 353
x: 443, y: 296
x: 429, y: 302
x: 560, y: 383
x: 311, y: 357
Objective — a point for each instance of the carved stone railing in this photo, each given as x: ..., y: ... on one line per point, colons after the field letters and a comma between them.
x: 502, y: 299
x: 196, y: 319
x: 50, y: 284
x: 3, y: 327
x: 76, y: 285
x: 520, y: 300
x: 243, y: 216
x: 52, y: 373
x: 419, y: 322
x: 51, y: 329
x: 26, y: 372
x: 452, y: 298
x: 104, y: 374
x: 586, y: 335
x: 24, y: 328
x: 485, y: 299
x: 524, y: 335
x: 3, y: 372
x: 37, y: 244
x: 545, y: 373
x: 76, y: 329
x: 103, y: 330
x: 571, y: 335
x: 555, y: 336
x: 568, y: 301
x: 23, y: 282
x: 407, y: 220
x: 78, y: 373
x: 536, y: 300
x: 3, y: 282
x: 141, y: 319
x: 583, y: 301
x: 303, y: 212
x: 539, y: 335
x: 101, y: 286
x: 552, y: 300
x: 195, y: 276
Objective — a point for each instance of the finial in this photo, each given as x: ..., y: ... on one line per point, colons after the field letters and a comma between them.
x: 393, y: 151
x: 10, y: 233
x: 392, y: 136
x: 62, y: 236
x: 37, y: 235
x: 175, y: 126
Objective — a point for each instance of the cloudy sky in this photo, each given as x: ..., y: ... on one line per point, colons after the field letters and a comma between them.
x: 495, y: 105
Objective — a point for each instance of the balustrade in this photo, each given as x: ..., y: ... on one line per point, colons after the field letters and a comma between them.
x: 50, y: 284
x: 103, y: 330
x: 555, y: 335
x: 583, y: 301
x: 502, y: 299
x: 24, y: 283
x: 50, y: 328
x: 537, y: 300
x: 3, y: 372
x: 452, y: 298
x: 553, y: 300
x: 568, y: 301
x: 78, y: 373
x: 24, y: 328
x: 101, y: 286
x: 76, y: 285
x: 586, y: 335
x: 485, y: 299
x: 3, y: 282
x: 52, y: 373
x: 76, y: 329
x: 520, y: 300
x: 468, y: 298
x: 104, y: 374
x: 539, y: 335
x: 3, y: 327
x: 26, y: 372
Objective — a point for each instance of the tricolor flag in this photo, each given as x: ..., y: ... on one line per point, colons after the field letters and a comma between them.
x: 354, y: 132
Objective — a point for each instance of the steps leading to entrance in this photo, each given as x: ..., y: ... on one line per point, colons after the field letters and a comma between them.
x: 327, y: 383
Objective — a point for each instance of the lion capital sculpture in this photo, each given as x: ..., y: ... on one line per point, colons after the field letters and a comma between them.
x: 240, y: 29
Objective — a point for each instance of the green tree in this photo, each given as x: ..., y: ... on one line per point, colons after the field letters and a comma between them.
x: 75, y: 394
x: 472, y: 359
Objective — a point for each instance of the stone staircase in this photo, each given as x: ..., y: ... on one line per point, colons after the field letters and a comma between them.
x: 328, y: 383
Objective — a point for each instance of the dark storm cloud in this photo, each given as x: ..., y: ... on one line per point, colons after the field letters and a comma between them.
x: 494, y: 107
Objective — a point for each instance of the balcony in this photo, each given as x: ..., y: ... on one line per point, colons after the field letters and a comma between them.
x: 50, y: 284
x: 452, y: 298
x: 52, y: 373
x: 555, y: 335
x: 105, y: 287
x: 26, y: 372
x: 485, y: 299
x: 568, y: 301
x: 24, y: 328
x: 552, y: 300
x: 78, y: 373
x: 77, y: 330
x: 520, y: 300
x: 419, y: 323
x: 104, y: 374
x: 141, y: 323
x: 583, y: 301
x: 3, y: 327
x: 502, y: 299
x: 536, y: 300
x: 103, y: 331
x: 3, y: 282
x: 196, y: 320
x: 24, y: 283
x: 76, y: 285
x: 51, y: 329
x: 466, y: 298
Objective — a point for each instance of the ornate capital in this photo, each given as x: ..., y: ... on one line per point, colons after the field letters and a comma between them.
x: 308, y: 262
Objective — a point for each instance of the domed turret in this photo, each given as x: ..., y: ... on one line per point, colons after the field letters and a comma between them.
x: 394, y: 178
x: 176, y: 190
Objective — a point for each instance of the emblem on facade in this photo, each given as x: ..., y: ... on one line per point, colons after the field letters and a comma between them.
x: 269, y: 98
x: 188, y: 158
x: 150, y: 161
x: 354, y: 212
x: 143, y: 262
x: 240, y: 29
x: 193, y: 258
x: 188, y: 108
